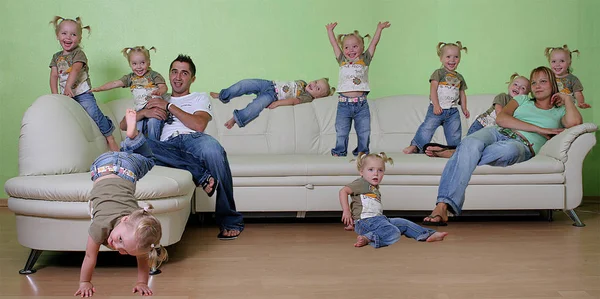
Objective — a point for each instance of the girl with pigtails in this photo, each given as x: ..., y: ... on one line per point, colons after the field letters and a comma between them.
x: 144, y: 83
x: 365, y: 212
x: 447, y: 92
x: 560, y: 63
x: 353, y: 87
x: 69, y: 74
x: 117, y: 220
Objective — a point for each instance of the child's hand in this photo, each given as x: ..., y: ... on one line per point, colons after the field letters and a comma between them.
x: 95, y: 90
x: 273, y: 105
x: 584, y: 105
x: 437, y: 110
x: 68, y: 92
x: 347, y: 219
x: 143, y: 288
x: 156, y: 92
x: 383, y: 25
x: 330, y: 26
x: 86, y: 289
x: 466, y: 112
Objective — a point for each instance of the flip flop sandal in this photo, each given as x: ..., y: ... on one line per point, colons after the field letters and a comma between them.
x: 435, y: 223
x: 207, y: 182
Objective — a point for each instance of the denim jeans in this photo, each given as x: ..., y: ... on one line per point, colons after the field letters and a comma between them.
x: 265, y: 95
x: 476, y: 126
x: 135, y: 155
x: 449, y: 120
x: 201, y: 154
x: 151, y: 127
x: 383, y: 231
x: 484, y: 147
x: 360, y: 113
x: 88, y: 102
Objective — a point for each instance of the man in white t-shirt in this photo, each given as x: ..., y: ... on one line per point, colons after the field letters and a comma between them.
x: 183, y: 143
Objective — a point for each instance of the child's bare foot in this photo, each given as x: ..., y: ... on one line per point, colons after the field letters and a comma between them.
x: 112, y: 144
x: 229, y: 124
x: 411, y: 149
x: 131, y: 120
x: 361, y: 241
x: 214, y: 95
x: 437, y: 236
x: 349, y: 227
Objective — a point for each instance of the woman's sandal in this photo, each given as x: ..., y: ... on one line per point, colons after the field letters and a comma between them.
x: 206, y: 183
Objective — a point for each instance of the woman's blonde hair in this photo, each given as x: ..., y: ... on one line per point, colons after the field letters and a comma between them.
x: 361, y: 39
x: 362, y: 157
x: 551, y: 77
x: 127, y: 52
x: 57, y: 21
x: 148, y: 231
x: 548, y: 53
x: 442, y: 45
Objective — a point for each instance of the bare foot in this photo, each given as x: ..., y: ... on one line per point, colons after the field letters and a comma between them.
x: 229, y: 234
x: 131, y: 120
x: 214, y: 95
x: 436, y: 151
x: 440, y: 213
x: 411, y: 149
x: 349, y: 227
x: 112, y: 144
x: 229, y: 124
x: 437, y: 236
x: 361, y: 241
x: 211, y: 184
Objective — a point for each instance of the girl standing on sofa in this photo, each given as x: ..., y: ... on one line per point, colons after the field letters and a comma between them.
x: 560, y: 63
x: 447, y: 91
x: 353, y: 87
x: 69, y: 71
x: 144, y: 83
x: 524, y: 126
x: 117, y: 220
x: 365, y: 213
x: 271, y: 94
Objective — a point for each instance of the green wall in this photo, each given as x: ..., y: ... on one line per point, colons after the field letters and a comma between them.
x: 278, y: 39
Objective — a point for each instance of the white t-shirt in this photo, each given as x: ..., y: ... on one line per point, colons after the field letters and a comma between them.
x: 190, y: 103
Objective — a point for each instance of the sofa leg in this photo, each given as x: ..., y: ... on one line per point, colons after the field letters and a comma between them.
x: 549, y: 215
x: 575, y: 218
x: 33, y: 256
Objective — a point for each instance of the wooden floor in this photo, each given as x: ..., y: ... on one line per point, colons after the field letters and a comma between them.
x: 503, y: 258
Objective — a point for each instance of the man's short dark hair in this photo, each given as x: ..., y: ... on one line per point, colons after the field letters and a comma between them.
x: 186, y: 59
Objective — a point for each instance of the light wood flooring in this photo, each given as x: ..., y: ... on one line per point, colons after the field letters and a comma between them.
x: 501, y: 258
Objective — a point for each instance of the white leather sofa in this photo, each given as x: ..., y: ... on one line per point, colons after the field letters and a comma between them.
x: 57, y: 145
x: 280, y: 162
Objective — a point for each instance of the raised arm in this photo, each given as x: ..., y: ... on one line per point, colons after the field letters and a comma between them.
x: 336, y: 48
x: 572, y: 116
x: 54, y: 80
x: 86, y: 288
x: 109, y: 85
x: 142, y: 276
x: 377, y: 36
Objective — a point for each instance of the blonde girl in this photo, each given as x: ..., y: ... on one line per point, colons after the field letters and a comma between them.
x: 144, y: 83
x: 117, y: 220
x: 353, y: 87
x: 560, y: 63
x: 69, y: 74
x: 365, y: 212
x: 446, y: 93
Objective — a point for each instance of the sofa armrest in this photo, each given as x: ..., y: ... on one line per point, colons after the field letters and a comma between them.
x: 558, y: 146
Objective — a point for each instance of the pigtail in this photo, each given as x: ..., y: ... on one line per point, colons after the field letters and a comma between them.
x: 331, y: 91
x: 88, y: 28
x: 385, y: 158
x: 460, y: 46
x: 439, y: 47
x: 547, y: 52
x: 55, y: 21
x: 126, y: 51
x: 152, y: 48
x: 513, y: 77
x: 363, y: 38
x: 339, y: 39
x: 157, y: 255
x: 361, y: 157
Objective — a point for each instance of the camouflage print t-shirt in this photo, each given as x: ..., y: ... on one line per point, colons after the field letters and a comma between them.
x: 569, y: 84
x: 449, y: 86
x: 488, y: 118
x: 142, y: 86
x: 366, y: 200
x: 292, y: 89
x: 64, y: 63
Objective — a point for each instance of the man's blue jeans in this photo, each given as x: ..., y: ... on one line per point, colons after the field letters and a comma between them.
x: 484, y: 147
x: 88, y: 102
x: 383, y: 231
x: 360, y: 113
x: 201, y: 154
x: 449, y: 120
x: 265, y: 95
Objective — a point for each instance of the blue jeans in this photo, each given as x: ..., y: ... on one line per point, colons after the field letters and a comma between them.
x: 360, y: 113
x: 201, y: 154
x: 88, y: 102
x: 383, y: 231
x: 449, y: 120
x: 265, y: 95
x: 476, y: 126
x: 484, y: 147
x: 151, y: 127
x: 135, y: 155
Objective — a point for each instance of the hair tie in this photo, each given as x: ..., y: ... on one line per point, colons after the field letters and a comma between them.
x: 151, y: 245
x: 146, y: 209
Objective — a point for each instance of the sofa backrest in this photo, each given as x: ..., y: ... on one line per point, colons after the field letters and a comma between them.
x: 59, y: 137
x: 310, y: 128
